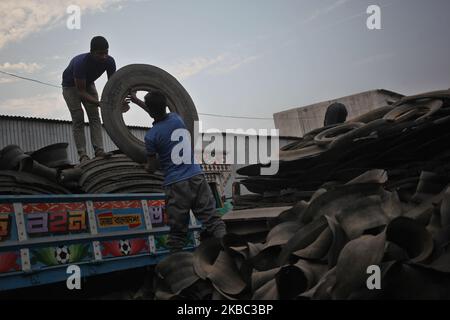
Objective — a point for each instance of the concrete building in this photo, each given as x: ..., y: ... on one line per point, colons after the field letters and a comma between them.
x: 298, y: 121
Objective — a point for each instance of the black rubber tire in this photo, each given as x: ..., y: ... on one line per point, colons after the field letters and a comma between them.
x: 433, y: 107
x: 327, y: 136
x: 364, y: 131
x: 146, y: 78
x: 401, y: 113
x: 418, y: 111
x: 372, y: 115
x: 298, y: 145
x: 440, y: 94
x: 311, y: 134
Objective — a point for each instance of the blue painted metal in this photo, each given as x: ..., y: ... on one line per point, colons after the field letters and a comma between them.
x: 112, y: 233
x: 42, y: 242
x: 88, y: 269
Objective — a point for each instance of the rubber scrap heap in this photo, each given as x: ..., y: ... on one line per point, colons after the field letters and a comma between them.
x: 48, y: 171
x: 379, y: 206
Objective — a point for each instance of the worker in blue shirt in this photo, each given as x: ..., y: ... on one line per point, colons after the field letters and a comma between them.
x: 185, y: 184
x: 79, y: 89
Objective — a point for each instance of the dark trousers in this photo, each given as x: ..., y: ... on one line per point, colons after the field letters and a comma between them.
x: 191, y: 194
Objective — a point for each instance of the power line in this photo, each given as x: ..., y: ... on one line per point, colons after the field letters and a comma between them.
x: 29, y: 79
x: 203, y: 114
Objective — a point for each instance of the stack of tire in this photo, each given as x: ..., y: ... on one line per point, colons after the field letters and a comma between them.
x: 118, y: 174
x: 45, y: 171
x: 405, y: 139
x: 344, y: 243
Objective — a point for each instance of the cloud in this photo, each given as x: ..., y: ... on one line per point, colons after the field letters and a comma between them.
x: 185, y: 69
x: 20, y: 18
x: 21, y: 66
x: 233, y: 64
x: 51, y: 105
x: 323, y: 11
x: 7, y: 80
x: 221, y: 64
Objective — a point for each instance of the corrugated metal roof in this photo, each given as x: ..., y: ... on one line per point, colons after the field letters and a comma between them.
x: 34, y: 133
x: 2, y: 116
x: 9, y: 117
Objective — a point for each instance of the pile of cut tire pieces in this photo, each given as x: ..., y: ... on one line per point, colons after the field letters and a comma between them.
x: 48, y: 171
x: 376, y: 227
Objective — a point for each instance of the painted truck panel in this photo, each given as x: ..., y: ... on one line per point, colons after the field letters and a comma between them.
x: 41, y: 235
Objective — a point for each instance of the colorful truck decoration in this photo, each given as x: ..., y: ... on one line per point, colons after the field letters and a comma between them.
x: 41, y: 235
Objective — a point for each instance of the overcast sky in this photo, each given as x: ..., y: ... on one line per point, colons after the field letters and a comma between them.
x: 248, y: 58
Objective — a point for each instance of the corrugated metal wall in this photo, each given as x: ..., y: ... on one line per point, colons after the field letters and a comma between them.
x: 32, y: 134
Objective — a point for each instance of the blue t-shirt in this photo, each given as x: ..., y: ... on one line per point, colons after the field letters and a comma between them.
x: 84, y: 66
x: 158, y: 140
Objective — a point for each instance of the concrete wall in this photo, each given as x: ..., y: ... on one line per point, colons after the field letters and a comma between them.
x: 298, y: 121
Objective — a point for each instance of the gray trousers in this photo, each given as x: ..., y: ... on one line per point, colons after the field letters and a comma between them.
x: 74, y: 102
x: 192, y: 194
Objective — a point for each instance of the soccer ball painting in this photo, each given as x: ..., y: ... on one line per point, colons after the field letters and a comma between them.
x: 125, y: 247
x: 62, y: 254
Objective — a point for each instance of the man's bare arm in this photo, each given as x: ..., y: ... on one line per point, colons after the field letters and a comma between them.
x: 81, y: 86
x: 137, y: 101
